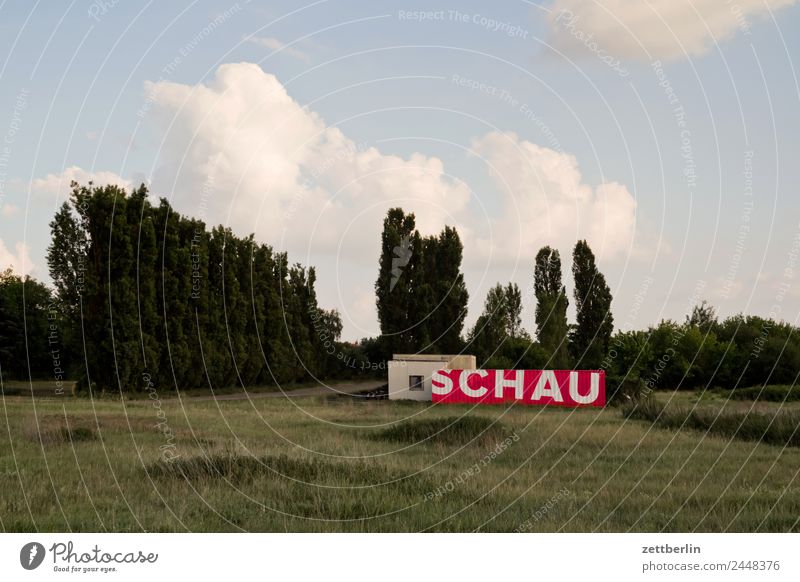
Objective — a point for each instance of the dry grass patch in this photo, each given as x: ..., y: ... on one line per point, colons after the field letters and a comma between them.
x: 460, y: 430
x: 55, y: 429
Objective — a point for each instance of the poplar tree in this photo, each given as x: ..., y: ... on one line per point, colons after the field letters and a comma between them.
x: 450, y: 296
x: 394, y: 286
x: 420, y: 292
x: 590, y: 337
x: 153, y: 294
x: 490, y: 332
x: 551, y: 307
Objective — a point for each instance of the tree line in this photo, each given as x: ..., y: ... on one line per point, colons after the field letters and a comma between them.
x: 701, y: 351
x: 421, y: 300
x: 144, y: 297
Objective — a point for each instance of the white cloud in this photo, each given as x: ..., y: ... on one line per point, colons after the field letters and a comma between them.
x: 18, y: 259
x: 240, y: 151
x: 656, y: 29
x: 547, y: 203
x: 9, y: 210
x: 58, y: 184
x: 278, y: 46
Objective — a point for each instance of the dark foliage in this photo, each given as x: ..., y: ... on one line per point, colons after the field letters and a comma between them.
x: 159, y: 302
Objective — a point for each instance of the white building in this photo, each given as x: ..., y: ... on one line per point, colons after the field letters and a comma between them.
x: 410, y: 374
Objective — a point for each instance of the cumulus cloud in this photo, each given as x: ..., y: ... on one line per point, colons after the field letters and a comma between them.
x: 657, y: 29
x: 58, y: 184
x: 238, y: 150
x: 241, y: 151
x: 18, y: 259
x: 279, y: 46
x: 547, y: 202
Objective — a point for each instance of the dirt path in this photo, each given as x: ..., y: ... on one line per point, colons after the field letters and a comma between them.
x: 322, y: 390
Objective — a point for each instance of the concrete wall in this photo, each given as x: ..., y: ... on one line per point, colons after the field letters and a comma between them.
x: 404, y: 366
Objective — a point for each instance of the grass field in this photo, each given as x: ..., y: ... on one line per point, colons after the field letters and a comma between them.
x: 344, y: 464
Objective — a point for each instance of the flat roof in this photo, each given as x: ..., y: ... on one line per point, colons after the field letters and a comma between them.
x: 426, y: 357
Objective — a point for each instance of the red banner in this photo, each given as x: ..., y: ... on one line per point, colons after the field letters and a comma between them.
x: 542, y: 387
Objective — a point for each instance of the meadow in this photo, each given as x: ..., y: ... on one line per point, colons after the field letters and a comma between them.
x: 353, y: 464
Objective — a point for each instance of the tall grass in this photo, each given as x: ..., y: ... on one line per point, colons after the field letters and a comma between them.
x: 447, y: 431
x: 774, y: 428
x: 241, y: 468
x: 321, y: 467
x: 769, y: 393
x: 58, y: 429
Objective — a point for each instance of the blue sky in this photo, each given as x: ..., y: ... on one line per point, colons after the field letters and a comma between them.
x: 502, y: 120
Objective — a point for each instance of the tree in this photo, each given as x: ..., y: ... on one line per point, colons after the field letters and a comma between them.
x: 449, y: 291
x: 31, y: 335
x: 393, y: 288
x: 8, y: 331
x: 420, y: 293
x: 490, y: 331
x: 703, y: 316
x: 590, y: 338
x: 330, y: 320
x: 551, y: 307
x: 513, y: 305
x: 157, y: 295
x: 498, y: 339
x: 66, y: 256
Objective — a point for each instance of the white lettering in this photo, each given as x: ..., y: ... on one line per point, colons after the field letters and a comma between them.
x: 547, y: 386
x: 444, y: 379
x: 464, y: 383
x: 516, y: 381
x: 594, y: 388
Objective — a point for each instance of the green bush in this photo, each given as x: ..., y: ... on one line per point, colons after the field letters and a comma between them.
x: 769, y: 393
x: 776, y: 428
x: 622, y: 391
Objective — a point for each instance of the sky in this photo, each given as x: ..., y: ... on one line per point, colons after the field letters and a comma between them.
x: 665, y: 133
